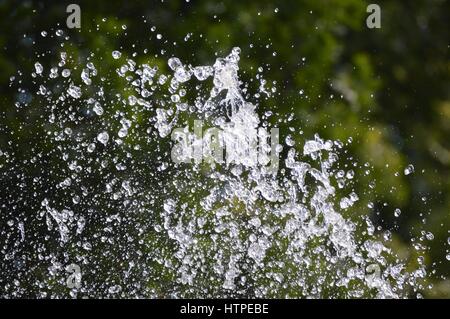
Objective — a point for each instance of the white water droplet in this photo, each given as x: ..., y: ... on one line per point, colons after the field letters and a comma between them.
x: 74, y: 91
x: 65, y: 73
x: 103, y: 137
x: 203, y: 72
x: 39, y: 68
x: 409, y: 169
x: 85, y: 77
x: 114, y: 289
x: 91, y: 147
x: 169, y: 206
x: 76, y: 199
x: 174, y: 63
x: 290, y: 141
x: 98, y: 108
x: 116, y: 55
x: 122, y: 132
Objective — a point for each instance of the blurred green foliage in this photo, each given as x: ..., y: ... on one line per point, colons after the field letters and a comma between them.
x: 387, y: 89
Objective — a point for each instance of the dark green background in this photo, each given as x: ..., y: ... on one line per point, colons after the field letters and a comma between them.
x: 386, y: 88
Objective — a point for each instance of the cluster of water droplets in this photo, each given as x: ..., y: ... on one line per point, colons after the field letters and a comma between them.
x: 140, y: 225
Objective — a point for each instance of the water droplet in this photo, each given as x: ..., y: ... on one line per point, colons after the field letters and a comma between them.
x: 169, y: 206
x: 65, y: 73
x: 203, y: 72
x: 39, y: 68
x: 350, y: 174
x: 76, y: 199
x: 98, y: 109
x: 290, y: 140
x: 174, y: 63
x: 85, y: 77
x: 122, y: 132
x: 53, y: 73
x: 114, y: 289
x: 103, y: 137
x: 116, y: 54
x: 91, y: 147
x: 182, y: 75
x: 74, y: 91
x: 409, y: 169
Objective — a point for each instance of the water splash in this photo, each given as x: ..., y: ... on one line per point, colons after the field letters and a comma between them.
x: 142, y: 225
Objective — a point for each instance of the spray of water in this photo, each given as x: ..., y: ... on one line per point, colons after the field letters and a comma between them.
x: 140, y: 224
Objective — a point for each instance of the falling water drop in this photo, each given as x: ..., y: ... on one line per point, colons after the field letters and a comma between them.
x: 103, y: 137
x: 116, y: 55
x: 409, y: 169
x: 38, y: 67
